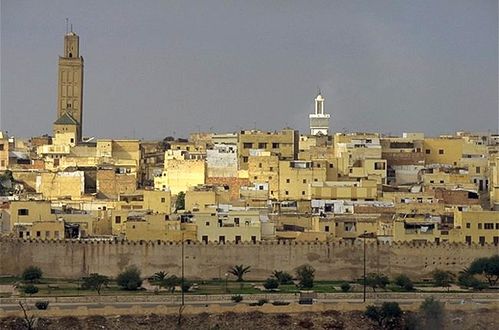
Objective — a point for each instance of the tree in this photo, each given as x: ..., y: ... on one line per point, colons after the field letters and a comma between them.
x: 129, y: 279
x: 158, y: 278
x: 433, y: 312
x: 375, y: 280
x: 387, y: 316
x: 180, y: 201
x: 345, y: 286
x: 404, y: 282
x: 305, y: 275
x: 271, y: 283
x: 443, y: 278
x: 186, y: 286
x: 95, y: 282
x: 283, y: 277
x: 488, y: 267
x: 30, y: 289
x: 171, y: 282
x: 239, y: 271
x: 32, y: 274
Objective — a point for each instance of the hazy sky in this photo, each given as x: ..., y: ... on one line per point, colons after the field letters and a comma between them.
x: 155, y: 68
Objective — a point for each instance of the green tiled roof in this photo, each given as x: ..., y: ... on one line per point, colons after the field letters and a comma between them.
x: 66, y: 119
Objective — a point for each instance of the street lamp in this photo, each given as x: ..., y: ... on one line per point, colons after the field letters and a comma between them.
x: 364, y: 236
x: 182, y: 280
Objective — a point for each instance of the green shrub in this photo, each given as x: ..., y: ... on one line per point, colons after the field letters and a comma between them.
x: 32, y: 274
x: 271, y: 283
x: 30, y: 289
x: 345, y: 286
x: 237, y: 298
x: 43, y: 304
x: 305, y: 275
x: 404, y: 282
x: 280, y: 303
x: 283, y: 277
x: 129, y: 279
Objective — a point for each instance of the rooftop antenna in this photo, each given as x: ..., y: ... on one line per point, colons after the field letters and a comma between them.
x: 318, y: 90
x: 67, y: 22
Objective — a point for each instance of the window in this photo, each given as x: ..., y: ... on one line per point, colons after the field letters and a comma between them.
x: 481, y: 240
x: 287, y: 180
x: 431, y: 181
x: 262, y: 145
x: 255, y: 177
x: 488, y: 226
x: 238, y: 239
x: 315, y: 179
x: 247, y: 145
x: 20, y: 234
x: 23, y: 212
x: 440, y: 151
x: 304, y: 180
x: 271, y: 168
x: 428, y: 151
x: 497, y: 225
x: 260, y: 165
x: 275, y: 145
x: 38, y: 233
x: 221, y: 239
x: 27, y: 234
x: 205, y: 239
x: 330, y: 165
x: 56, y: 234
x: 253, y: 239
x: 468, y: 239
x: 72, y: 140
x: 270, y: 178
x: 326, y: 229
x: 379, y: 166
x: 496, y: 240
x: 479, y: 226
x: 2, y: 163
x: 47, y: 234
x: 441, y: 181
x: 167, y: 217
x: 468, y: 225
x: 236, y: 222
x: 163, y: 200
x: 303, y: 193
x: 478, y: 170
x: 286, y: 192
x: 245, y: 159
x: 207, y: 223
x: 1, y: 146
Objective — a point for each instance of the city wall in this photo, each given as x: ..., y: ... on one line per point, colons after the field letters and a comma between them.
x: 338, y: 260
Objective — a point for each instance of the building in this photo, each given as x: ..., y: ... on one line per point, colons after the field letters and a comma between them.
x: 70, y: 88
x: 319, y: 120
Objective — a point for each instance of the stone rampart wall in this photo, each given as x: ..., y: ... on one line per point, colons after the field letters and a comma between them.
x: 338, y: 260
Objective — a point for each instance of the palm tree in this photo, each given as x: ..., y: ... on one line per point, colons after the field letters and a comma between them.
x: 239, y: 271
x: 158, y: 278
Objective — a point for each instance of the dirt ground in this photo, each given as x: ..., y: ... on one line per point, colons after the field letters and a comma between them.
x: 482, y: 319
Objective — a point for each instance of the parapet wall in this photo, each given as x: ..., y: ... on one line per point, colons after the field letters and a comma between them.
x: 338, y: 260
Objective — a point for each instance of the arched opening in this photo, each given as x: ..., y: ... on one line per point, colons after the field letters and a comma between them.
x: 70, y: 54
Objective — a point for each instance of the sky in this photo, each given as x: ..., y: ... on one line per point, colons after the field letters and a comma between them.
x: 160, y: 68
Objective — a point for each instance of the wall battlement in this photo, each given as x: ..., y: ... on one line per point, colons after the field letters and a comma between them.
x: 332, y: 260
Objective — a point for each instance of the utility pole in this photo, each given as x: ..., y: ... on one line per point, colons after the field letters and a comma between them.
x: 182, y: 281
x: 364, y: 296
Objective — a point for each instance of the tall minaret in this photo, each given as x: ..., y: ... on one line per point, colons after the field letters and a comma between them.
x: 319, y: 121
x: 70, y: 87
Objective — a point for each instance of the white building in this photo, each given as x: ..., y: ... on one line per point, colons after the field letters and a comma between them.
x: 319, y: 121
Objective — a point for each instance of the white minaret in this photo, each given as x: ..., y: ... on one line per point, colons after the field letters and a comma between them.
x: 319, y: 121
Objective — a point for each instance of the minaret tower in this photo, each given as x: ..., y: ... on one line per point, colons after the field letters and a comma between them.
x: 70, y: 88
x: 319, y: 121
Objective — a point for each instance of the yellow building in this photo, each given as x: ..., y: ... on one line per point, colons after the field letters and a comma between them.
x: 157, y: 227
x: 365, y: 190
x: 157, y: 201
x: 296, y: 178
x: 180, y: 172
x: 373, y: 169
x: 494, y: 183
x: 263, y: 167
x: 4, y: 151
x: 479, y: 227
x: 45, y: 230
x: 205, y: 198
x: 283, y: 143
x: 232, y: 226
x: 54, y: 185
x: 443, y: 150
